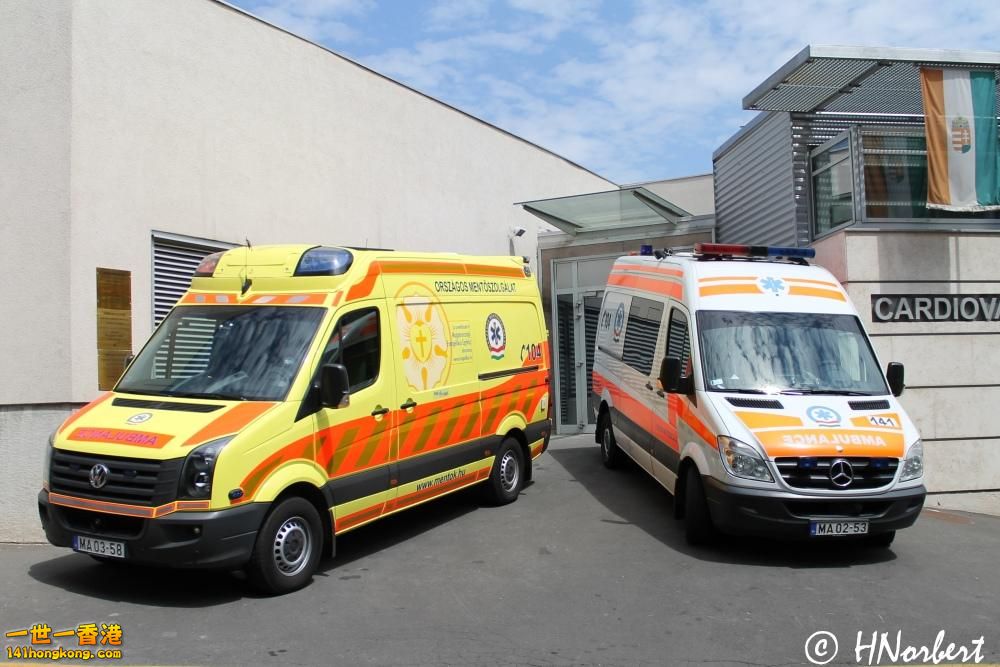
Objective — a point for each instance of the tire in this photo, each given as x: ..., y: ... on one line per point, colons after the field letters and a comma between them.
x: 611, y: 454
x: 288, y: 548
x: 880, y: 540
x: 507, y: 476
x: 698, y: 527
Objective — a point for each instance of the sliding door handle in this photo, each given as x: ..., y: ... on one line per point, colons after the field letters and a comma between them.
x: 379, y: 411
x: 410, y: 403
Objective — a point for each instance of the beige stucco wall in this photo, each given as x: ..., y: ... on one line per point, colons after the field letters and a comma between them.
x: 190, y: 117
x: 952, y: 368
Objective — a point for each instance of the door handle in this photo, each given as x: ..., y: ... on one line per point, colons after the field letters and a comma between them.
x: 410, y: 403
x: 649, y: 386
x: 660, y: 393
x: 379, y: 411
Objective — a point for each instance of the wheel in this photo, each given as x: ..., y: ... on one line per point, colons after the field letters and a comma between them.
x: 698, y: 527
x: 611, y: 454
x: 507, y: 476
x: 880, y: 540
x: 288, y: 548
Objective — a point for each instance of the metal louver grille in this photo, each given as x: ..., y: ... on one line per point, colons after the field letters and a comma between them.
x: 174, y: 262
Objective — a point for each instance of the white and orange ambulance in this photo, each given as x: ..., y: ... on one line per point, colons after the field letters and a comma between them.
x: 741, y: 378
x: 297, y: 392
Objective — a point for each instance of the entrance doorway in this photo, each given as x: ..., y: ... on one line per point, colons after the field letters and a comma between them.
x: 578, y: 288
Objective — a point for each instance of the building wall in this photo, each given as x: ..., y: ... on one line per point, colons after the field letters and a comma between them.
x: 35, y: 196
x: 190, y: 117
x: 951, y: 379
x: 754, y: 184
x: 694, y: 194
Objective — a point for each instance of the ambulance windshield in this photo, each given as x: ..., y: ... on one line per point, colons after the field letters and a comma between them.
x: 224, y: 352
x: 790, y: 353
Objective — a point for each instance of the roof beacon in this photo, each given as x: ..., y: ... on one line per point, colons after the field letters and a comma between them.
x: 735, y: 250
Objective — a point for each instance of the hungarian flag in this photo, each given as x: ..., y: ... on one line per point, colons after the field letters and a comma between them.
x: 960, y: 116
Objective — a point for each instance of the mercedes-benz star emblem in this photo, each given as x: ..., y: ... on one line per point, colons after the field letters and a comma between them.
x: 99, y: 476
x: 841, y: 473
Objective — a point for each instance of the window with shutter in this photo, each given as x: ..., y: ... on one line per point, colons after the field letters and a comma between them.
x: 641, y: 332
x: 175, y: 259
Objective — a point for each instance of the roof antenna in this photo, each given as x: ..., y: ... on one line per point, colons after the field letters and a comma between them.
x: 246, y: 269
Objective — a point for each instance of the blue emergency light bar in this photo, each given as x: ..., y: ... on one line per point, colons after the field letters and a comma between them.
x: 738, y: 250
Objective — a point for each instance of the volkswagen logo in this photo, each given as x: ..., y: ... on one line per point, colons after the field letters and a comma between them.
x: 841, y: 473
x: 99, y: 475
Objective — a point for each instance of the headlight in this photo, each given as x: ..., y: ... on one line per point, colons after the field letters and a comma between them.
x: 913, y: 464
x: 199, y: 467
x: 742, y: 460
x: 47, y: 468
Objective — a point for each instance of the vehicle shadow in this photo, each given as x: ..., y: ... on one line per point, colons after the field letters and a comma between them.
x: 631, y: 494
x: 165, y: 587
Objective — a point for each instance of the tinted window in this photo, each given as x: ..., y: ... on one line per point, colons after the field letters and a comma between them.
x: 236, y: 352
x: 678, y: 342
x: 641, y: 331
x: 355, y: 343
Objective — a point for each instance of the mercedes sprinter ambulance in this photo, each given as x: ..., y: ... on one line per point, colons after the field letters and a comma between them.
x: 295, y: 393
x: 741, y: 378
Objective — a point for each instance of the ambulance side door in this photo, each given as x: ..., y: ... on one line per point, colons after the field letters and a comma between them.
x: 436, y: 393
x: 642, y: 331
x: 353, y: 441
x: 666, y: 413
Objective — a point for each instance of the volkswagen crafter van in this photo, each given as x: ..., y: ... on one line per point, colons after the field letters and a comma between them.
x: 295, y: 393
x: 742, y: 379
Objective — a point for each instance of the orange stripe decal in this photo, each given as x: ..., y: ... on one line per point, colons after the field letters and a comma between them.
x: 654, y: 285
x: 84, y: 410
x: 231, y: 421
x: 719, y: 290
x: 127, y: 510
x: 716, y: 279
x: 831, y: 442
x: 119, y: 436
x: 754, y: 420
x: 816, y: 292
x: 364, y: 287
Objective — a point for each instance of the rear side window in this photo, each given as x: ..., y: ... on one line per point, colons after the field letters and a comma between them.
x: 641, y: 331
x: 678, y: 340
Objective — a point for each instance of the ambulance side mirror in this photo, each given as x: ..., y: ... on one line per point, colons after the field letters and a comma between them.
x: 894, y: 374
x: 334, y: 386
x: 671, y: 379
x: 128, y: 360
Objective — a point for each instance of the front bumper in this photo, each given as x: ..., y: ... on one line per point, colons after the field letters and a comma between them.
x: 215, y: 539
x: 742, y: 511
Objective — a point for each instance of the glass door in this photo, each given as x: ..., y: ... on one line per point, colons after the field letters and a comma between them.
x: 578, y: 285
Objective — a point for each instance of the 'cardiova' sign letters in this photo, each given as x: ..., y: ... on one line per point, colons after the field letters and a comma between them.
x: 935, y: 307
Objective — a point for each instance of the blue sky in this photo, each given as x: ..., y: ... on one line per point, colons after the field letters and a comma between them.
x: 635, y: 90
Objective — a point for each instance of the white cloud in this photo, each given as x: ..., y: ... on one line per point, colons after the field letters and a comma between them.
x: 638, y: 91
x: 316, y: 20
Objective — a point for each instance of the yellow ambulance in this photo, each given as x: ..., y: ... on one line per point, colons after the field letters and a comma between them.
x: 742, y: 379
x: 297, y: 392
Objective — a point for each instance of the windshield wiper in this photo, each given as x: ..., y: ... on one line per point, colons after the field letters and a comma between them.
x: 827, y: 392
x: 742, y: 391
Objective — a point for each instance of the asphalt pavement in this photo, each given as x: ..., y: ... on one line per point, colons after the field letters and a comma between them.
x: 586, y: 568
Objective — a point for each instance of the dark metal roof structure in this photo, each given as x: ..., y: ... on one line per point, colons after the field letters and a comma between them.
x: 858, y: 80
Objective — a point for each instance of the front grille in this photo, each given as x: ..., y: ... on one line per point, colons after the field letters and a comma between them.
x: 164, y: 405
x: 132, y: 481
x: 813, y: 472
x: 869, y: 405
x: 768, y: 403
x: 810, y: 509
x: 100, y: 523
